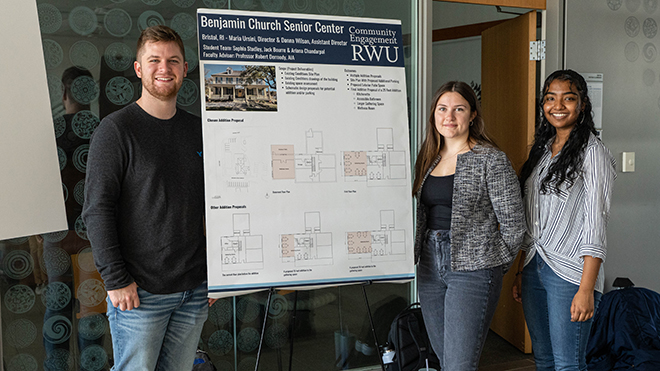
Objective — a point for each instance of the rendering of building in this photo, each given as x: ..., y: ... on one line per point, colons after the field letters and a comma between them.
x: 231, y: 86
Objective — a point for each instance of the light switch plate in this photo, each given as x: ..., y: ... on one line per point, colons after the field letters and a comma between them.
x: 628, y: 162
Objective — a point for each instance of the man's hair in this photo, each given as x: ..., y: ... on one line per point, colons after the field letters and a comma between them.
x: 71, y: 74
x: 159, y: 33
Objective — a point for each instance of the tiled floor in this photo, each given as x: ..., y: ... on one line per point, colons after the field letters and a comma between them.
x: 500, y: 355
x: 524, y: 365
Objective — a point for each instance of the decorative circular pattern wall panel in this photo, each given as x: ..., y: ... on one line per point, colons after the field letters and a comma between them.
x: 50, y: 18
x: 117, y: 22
x: 83, y: 20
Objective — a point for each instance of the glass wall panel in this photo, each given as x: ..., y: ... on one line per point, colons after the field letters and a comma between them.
x: 53, y: 299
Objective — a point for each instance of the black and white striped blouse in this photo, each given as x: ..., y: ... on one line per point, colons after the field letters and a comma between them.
x: 565, y: 227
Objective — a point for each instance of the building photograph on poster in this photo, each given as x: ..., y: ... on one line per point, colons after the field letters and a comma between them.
x: 240, y: 87
x: 318, y: 191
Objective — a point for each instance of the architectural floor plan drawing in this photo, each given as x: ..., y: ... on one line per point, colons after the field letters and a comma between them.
x: 312, y: 166
x: 381, y: 167
x: 284, y: 161
x: 310, y: 248
x: 233, y: 160
x: 310, y: 185
x: 242, y: 250
x: 384, y: 244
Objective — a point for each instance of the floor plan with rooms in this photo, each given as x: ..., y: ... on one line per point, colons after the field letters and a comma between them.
x: 384, y: 244
x: 242, y: 250
x: 380, y: 167
x: 308, y: 248
x: 312, y: 166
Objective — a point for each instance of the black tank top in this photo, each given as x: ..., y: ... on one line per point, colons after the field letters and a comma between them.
x: 436, y: 197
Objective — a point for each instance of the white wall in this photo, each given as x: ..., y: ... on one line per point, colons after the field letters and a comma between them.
x: 457, y: 60
x: 597, y: 41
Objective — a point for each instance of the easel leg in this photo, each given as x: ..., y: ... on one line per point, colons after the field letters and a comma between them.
x: 293, y: 326
x: 263, y: 328
x: 371, y: 321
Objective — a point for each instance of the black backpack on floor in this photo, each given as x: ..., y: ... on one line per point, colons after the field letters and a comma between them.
x: 410, y: 341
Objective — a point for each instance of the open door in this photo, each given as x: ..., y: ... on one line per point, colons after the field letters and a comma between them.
x: 508, y: 85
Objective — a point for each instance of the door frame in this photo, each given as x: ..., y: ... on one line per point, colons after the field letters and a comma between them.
x: 529, y: 4
x: 422, y: 38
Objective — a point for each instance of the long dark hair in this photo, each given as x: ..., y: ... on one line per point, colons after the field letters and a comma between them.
x: 433, y: 141
x: 568, y: 164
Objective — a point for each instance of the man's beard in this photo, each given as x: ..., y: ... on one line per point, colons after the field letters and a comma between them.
x: 161, y: 93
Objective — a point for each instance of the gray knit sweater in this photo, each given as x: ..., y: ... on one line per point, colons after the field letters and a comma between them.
x: 486, y: 195
x: 144, y: 201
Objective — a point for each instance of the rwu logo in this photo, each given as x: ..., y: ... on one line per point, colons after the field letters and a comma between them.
x: 374, y: 52
x: 200, y: 154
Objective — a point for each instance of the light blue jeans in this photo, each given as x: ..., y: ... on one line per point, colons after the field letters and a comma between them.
x: 457, y: 306
x: 162, y: 333
x: 557, y: 343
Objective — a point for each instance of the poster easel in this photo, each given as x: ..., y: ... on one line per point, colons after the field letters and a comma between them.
x: 292, y: 326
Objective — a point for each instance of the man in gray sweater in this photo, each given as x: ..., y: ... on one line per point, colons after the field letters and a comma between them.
x: 144, y: 207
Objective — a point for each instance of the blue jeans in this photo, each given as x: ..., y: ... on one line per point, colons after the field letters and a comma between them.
x: 457, y: 306
x: 162, y: 333
x: 557, y: 343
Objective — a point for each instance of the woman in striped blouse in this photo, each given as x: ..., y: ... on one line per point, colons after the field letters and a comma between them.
x: 566, y: 183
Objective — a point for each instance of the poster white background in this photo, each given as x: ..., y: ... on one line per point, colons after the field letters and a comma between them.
x: 316, y: 192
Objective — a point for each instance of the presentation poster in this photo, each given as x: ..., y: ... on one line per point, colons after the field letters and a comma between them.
x: 306, y: 151
x: 31, y: 189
